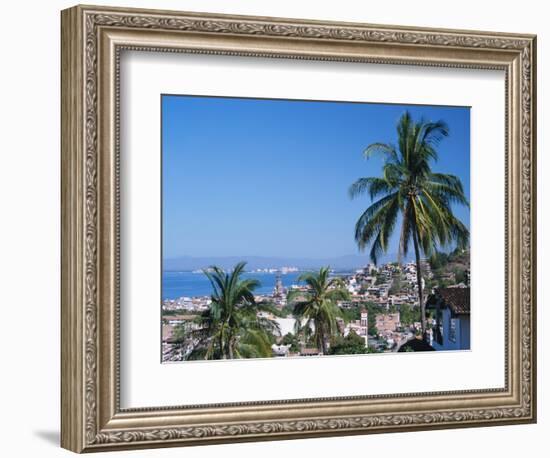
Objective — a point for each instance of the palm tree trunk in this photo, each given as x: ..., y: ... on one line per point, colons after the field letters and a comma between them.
x: 321, y: 343
x: 230, y: 346
x: 222, y: 348
x: 324, y: 345
x: 419, y: 282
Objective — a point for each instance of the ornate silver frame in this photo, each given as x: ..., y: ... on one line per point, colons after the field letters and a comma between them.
x: 92, y: 39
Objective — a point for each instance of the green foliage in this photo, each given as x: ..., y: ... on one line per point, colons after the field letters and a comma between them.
x: 397, y: 284
x: 408, y: 315
x: 197, y: 354
x: 286, y: 311
x: 255, y: 343
x: 351, y: 314
x: 292, y: 340
x: 430, y: 283
x: 461, y: 276
x: 443, y: 264
x: 317, y: 308
x: 231, y: 327
x: 438, y: 260
x: 352, y: 344
x: 180, y: 332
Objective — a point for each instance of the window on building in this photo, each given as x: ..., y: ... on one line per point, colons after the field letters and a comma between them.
x: 452, y: 330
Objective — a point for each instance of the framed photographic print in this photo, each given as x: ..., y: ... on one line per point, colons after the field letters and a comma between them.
x: 278, y: 228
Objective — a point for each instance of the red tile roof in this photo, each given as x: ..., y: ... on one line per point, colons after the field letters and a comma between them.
x: 309, y: 351
x: 457, y: 299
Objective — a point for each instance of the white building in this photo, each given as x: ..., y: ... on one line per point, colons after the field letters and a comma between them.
x: 286, y: 325
x: 360, y: 327
x: 280, y: 350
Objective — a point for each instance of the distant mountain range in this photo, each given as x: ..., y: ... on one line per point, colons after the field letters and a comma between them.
x: 187, y: 263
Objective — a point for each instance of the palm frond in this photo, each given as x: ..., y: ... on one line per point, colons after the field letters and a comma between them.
x: 384, y: 149
x: 295, y: 293
x: 433, y: 133
x: 370, y: 224
x: 384, y: 225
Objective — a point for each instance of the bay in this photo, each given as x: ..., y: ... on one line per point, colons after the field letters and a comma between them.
x: 191, y: 284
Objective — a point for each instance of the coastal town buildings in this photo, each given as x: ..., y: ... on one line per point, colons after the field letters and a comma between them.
x: 383, y: 290
x: 360, y: 326
x: 199, y: 303
x: 387, y: 322
x: 279, y: 292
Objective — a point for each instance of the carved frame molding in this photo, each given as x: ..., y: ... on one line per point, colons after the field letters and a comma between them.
x: 92, y: 39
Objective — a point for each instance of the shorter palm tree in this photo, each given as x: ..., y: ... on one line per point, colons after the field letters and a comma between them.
x: 233, y: 327
x: 316, y: 311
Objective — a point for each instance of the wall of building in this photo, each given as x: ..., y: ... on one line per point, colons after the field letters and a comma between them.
x: 462, y: 332
x: 465, y: 333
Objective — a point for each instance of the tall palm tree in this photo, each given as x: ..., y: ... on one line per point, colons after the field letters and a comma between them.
x: 409, y: 188
x: 317, y: 310
x: 231, y: 327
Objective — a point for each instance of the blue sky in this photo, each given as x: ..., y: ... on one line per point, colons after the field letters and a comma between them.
x: 255, y: 177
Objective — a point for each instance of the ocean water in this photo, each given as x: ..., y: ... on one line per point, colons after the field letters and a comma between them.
x: 189, y: 284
